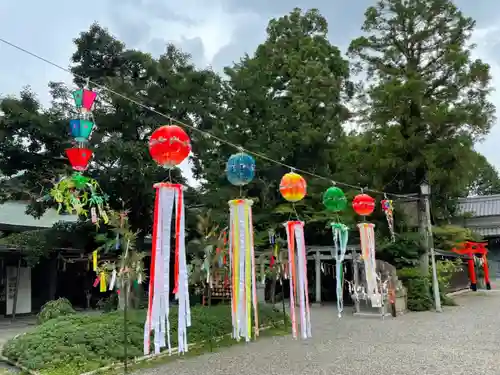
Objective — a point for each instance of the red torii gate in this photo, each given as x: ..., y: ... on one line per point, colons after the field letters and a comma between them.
x: 472, y: 249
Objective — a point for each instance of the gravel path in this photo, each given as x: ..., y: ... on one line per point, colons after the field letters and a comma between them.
x: 462, y: 340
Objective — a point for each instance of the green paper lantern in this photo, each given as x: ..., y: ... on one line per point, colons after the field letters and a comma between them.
x: 334, y: 199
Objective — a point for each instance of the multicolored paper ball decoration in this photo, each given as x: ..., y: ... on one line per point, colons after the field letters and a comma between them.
x: 80, y: 129
x: 363, y: 204
x: 169, y: 145
x: 334, y: 199
x: 387, y: 205
x: 240, y: 169
x: 293, y: 187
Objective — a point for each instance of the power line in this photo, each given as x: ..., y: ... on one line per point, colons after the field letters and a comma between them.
x: 205, y: 133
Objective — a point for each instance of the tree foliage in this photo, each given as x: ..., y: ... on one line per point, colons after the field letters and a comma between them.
x: 426, y: 100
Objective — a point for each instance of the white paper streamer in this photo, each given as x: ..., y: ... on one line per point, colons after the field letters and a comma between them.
x: 367, y: 235
x: 113, y: 280
x: 159, y: 319
x: 299, y: 280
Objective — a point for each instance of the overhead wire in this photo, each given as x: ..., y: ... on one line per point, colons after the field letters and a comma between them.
x: 204, y: 132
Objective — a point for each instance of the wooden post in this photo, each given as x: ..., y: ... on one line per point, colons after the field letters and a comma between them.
x: 16, y: 291
x: 317, y: 262
x: 355, y: 279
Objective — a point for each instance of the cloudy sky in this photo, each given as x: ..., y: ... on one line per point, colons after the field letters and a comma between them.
x: 215, y: 32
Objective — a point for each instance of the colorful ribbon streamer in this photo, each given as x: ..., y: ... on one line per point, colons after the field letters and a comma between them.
x: 340, y: 238
x: 367, y: 236
x: 299, y: 289
x: 242, y: 264
x: 388, y: 209
x: 167, y: 196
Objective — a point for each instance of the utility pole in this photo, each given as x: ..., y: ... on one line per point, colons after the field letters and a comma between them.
x: 425, y: 191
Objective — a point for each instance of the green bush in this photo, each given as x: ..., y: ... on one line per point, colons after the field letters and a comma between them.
x: 55, y: 309
x: 418, y: 289
x: 83, y: 342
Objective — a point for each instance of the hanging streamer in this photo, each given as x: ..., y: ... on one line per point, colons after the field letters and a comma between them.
x: 299, y: 289
x: 168, y: 196
x: 242, y: 264
x: 94, y: 260
x: 367, y: 235
x: 340, y: 239
x: 388, y: 209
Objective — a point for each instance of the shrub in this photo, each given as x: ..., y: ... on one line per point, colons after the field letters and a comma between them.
x: 83, y: 342
x: 55, y: 309
x: 418, y: 288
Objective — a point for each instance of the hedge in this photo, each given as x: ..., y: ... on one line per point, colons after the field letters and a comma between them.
x: 83, y: 342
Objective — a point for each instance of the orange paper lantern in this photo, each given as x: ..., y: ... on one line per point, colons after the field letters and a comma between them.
x: 169, y: 145
x: 293, y: 187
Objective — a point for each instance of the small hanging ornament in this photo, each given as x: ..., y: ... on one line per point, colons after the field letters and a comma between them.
x: 334, y: 199
x: 79, y: 158
x: 388, y: 209
x: 169, y: 145
x: 84, y: 99
x: 240, y: 169
x: 81, y: 129
x: 293, y: 187
x: 363, y: 204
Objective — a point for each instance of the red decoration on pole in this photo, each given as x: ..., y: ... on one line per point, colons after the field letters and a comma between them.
x: 79, y: 158
x: 363, y: 204
x: 169, y: 145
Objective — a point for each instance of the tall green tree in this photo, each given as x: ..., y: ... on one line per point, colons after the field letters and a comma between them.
x: 286, y: 101
x: 425, y: 100
x: 485, y: 179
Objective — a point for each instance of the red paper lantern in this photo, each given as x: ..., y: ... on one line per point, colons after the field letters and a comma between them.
x: 363, y: 204
x: 169, y: 145
x: 79, y: 158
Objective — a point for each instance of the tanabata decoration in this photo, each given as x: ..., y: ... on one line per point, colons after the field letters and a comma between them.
x: 364, y: 205
x: 299, y: 290
x: 388, y: 209
x: 84, y: 99
x: 240, y: 169
x: 293, y: 187
x: 334, y: 200
x: 79, y: 194
x: 168, y: 195
x: 242, y: 263
x: 169, y: 146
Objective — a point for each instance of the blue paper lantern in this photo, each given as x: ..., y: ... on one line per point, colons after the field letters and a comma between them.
x: 240, y: 169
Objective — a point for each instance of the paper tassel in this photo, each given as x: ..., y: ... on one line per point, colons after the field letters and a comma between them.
x: 299, y: 289
x: 94, y: 260
x: 388, y: 209
x: 340, y: 239
x: 242, y: 263
x: 93, y: 215
x: 113, y: 280
x: 103, y: 285
x: 367, y: 236
x: 96, y: 281
x: 168, y: 196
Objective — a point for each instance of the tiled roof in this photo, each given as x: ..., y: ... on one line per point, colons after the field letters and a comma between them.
x: 488, y: 205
